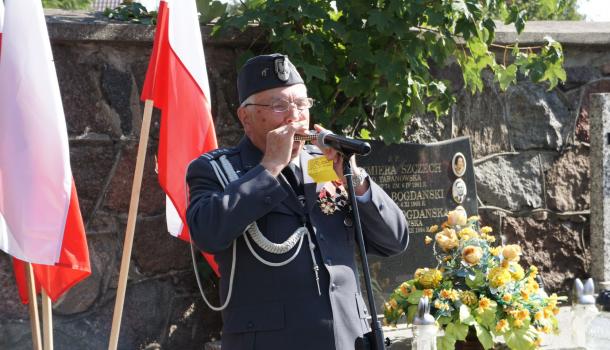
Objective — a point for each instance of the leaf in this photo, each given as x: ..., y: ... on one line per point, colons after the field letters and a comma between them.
x: 445, y: 342
x: 466, y: 316
x: 312, y: 71
x: 553, y: 74
x: 477, y: 47
x: 365, y: 134
x: 506, y: 76
x: 411, y: 311
x: 457, y: 330
x: 460, y: 7
x: 378, y: 19
x: 520, y: 340
x: 484, y: 336
x: 488, y: 317
x: 476, y: 280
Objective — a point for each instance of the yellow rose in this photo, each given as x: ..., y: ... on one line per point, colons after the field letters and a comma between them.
x: 495, y: 251
x: 473, y: 218
x: 506, y: 298
x: 502, y: 326
x: 428, y: 293
x: 447, y: 239
x: 450, y: 294
x: 484, y: 304
x: 457, y: 216
x: 404, y: 290
x: 468, y: 233
x: 472, y: 255
x: 427, y: 240
x: 546, y: 329
x: 489, y: 238
x: 468, y: 298
x: 539, y: 316
x: 486, y: 229
x: 433, y: 229
x: 516, y: 272
x: 441, y: 305
x: 428, y: 278
x: 533, y: 271
x: 522, y: 314
x: 511, y: 252
x: 498, y: 276
x: 518, y: 323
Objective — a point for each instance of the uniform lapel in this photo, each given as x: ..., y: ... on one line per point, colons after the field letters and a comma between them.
x: 310, y: 186
x: 251, y: 157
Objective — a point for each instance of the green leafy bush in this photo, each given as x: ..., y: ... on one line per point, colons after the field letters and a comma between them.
x: 66, y: 4
x: 369, y: 63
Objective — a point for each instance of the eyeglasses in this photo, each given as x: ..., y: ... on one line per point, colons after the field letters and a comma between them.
x: 281, y: 106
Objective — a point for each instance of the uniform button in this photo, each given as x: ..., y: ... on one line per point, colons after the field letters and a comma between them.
x: 348, y: 222
x: 381, y: 206
x: 250, y: 325
x: 333, y: 286
x: 267, y: 200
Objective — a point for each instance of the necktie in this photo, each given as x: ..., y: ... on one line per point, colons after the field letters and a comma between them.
x: 292, y: 175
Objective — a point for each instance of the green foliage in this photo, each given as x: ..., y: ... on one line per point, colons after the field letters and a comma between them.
x: 546, y: 9
x: 66, y: 4
x: 210, y: 10
x: 368, y: 63
x: 133, y: 12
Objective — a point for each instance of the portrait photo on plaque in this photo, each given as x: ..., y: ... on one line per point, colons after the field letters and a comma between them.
x: 458, y: 164
x: 459, y: 191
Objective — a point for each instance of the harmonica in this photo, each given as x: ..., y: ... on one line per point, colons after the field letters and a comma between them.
x: 312, y: 136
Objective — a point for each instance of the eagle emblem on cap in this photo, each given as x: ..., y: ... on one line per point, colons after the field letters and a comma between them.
x: 282, y: 68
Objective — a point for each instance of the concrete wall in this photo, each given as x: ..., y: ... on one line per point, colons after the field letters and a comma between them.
x: 531, y: 148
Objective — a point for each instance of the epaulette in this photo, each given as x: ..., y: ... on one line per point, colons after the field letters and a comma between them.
x: 312, y: 149
x: 217, y: 153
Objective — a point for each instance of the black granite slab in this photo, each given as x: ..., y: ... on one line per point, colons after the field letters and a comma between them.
x: 420, y: 178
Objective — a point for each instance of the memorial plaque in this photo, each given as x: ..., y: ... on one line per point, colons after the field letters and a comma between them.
x: 426, y: 181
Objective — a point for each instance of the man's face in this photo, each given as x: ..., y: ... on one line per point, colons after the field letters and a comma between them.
x: 258, y: 120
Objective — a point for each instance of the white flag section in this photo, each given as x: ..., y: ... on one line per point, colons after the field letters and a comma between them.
x: 183, y: 32
x: 1, y: 18
x: 35, y: 175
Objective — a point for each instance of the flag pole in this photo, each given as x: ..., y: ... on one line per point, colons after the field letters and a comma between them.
x: 131, y: 225
x: 33, y: 307
x: 47, y: 321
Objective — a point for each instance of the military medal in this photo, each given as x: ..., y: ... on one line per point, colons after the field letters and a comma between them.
x: 332, y: 197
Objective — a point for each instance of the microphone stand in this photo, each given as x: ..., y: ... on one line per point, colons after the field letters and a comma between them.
x: 377, y: 341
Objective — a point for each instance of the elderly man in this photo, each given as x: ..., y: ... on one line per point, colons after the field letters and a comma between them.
x: 285, y: 244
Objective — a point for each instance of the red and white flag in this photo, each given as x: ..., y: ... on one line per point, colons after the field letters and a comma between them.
x: 1, y: 21
x: 177, y: 82
x: 40, y: 220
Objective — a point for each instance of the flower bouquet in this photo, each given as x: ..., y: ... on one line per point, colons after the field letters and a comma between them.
x: 477, y: 285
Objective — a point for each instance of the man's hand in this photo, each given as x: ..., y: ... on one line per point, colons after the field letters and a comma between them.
x: 279, y: 148
x: 337, y: 158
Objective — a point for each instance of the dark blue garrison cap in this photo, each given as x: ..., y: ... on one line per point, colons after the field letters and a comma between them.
x: 266, y: 72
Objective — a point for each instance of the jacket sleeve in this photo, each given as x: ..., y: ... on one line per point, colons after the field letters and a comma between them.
x: 384, y: 225
x: 217, y: 216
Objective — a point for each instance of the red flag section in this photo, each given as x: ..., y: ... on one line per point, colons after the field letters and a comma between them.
x: 73, y: 265
x: 187, y: 128
x: 40, y: 220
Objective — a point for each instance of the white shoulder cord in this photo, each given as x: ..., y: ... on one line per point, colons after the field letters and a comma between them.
x: 258, y: 238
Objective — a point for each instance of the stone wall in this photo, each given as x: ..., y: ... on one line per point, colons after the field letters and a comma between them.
x: 531, y: 148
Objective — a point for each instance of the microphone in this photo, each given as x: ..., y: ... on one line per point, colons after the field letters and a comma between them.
x: 342, y: 144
